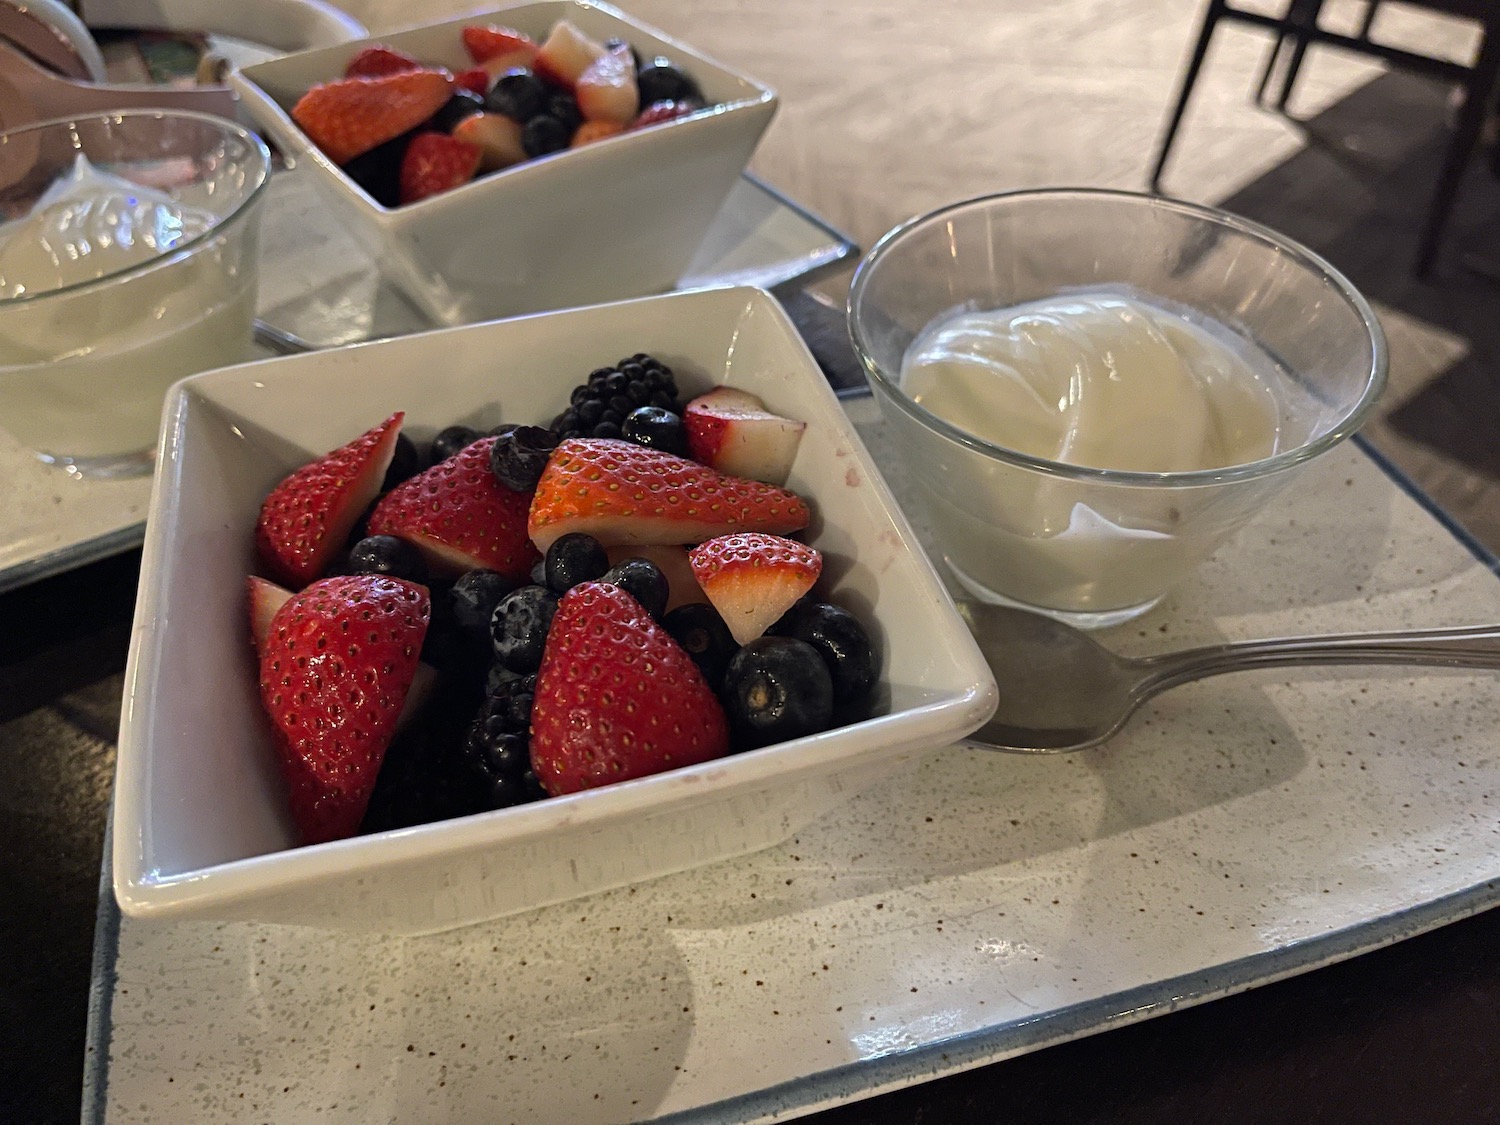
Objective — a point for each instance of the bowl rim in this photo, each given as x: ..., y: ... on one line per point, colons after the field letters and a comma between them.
x: 269, y: 113
x: 1375, y: 380
x: 253, y: 144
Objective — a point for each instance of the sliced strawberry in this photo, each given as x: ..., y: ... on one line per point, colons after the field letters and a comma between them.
x: 617, y: 697
x: 619, y: 492
x: 752, y: 578
x: 352, y: 115
x: 565, y: 55
x: 335, y: 671
x: 497, y: 137
x: 475, y: 79
x: 306, y: 518
x: 265, y: 599
x: 377, y: 60
x: 489, y: 41
x: 606, y: 90
x: 435, y: 163
x: 733, y: 431
x: 460, y: 517
x: 591, y: 131
x: 657, y: 112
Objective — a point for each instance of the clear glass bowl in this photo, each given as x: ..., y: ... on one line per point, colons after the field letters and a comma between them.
x: 85, y: 366
x: 1097, y: 546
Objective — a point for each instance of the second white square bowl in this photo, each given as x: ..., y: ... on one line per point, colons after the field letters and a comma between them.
x: 617, y: 218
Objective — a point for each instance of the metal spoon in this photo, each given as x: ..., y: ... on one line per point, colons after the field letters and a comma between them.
x: 1061, y: 690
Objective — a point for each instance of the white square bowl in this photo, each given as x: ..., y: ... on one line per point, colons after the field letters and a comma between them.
x: 200, y: 826
x: 617, y: 218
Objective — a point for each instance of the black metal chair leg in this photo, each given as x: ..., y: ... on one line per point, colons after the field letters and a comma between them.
x: 1303, y: 13
x: 1211, y: 16
x: 1480, y: 85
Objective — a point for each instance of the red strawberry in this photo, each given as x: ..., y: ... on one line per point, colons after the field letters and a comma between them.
x: 476, y: 80
x: 752, y: 578
x: 617, y: 697
x: 619, y: 492
x: 377, y: 60
x: 334, y: 674
x: 352, y: 115
x: 491, y: 41
x: 657, y: 112
x: 307, y: 517
x: 435, y: 163
x: 460, y: 517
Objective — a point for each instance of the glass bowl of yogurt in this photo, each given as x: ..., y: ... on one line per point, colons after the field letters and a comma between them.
x: 128, y: 259
x: 1094, y: 389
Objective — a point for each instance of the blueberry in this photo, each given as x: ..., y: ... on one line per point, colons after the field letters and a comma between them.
x: 406, y: 462
x: 517, y: 458
x: 378, y: 171
x: 463, y: 103
x: 451, y: 440
x: 655, y: 428
x: 643, y: 580
x: 474, y: 597
x: 519, y: 627
x: 574, y: 558
x: 519, y: 94
x: 660, y: 81
x: 385, y: 554
x: 775, y: 689
x: 840, y: 640
x: 699, y: 629
x: 544, y: 134
x: 564, y: 107
x: 614, y: 43
x: 539, y: 572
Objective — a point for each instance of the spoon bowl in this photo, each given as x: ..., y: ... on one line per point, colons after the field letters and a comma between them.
x: 1061, y: 690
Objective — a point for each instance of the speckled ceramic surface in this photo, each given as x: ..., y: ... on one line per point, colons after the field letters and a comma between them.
x: 974, y: 907
x: 318, y: 284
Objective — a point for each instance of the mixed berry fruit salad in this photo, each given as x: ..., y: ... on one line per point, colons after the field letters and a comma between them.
x: 405, y: 129
x: 543, y: 609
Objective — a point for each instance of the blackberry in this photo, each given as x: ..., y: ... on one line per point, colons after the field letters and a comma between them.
x: 496, y: 753
x: 599, y: 407
x: 424, y: 777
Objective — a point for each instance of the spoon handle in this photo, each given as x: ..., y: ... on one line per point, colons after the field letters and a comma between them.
x: 1470, y: 647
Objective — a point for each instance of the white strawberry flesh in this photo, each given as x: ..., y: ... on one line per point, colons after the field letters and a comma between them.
x: 566, y: 54
x: 733, y: 431
x: 607, y: 91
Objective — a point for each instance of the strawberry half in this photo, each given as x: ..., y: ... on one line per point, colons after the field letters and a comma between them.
x: 753, y: 578
x: 435, y: 163
x: 351, y: 116
x: 491, y: 41
x: 460, y: 517
x: 620, y: 492
x: 306, y: 518
x: 475, y: 79
x: 335, y: 671
x: 377, y: 60
x: 265, y: 599
x: 606, y: 90
x: 617, y: 697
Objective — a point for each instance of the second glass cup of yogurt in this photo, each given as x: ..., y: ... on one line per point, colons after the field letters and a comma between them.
x: 128, y: 259
x: 1094, y: 389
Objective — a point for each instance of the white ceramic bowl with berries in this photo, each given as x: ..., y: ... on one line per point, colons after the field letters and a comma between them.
x: 618, y: 213
x: 204, y: 823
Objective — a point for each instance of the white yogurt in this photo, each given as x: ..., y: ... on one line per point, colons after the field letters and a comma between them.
x: 83, y: 371
x: 1100, y: 378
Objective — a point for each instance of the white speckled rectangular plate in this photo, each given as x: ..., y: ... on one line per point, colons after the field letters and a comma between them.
x: 317, y: 284
x: 976, y: 907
